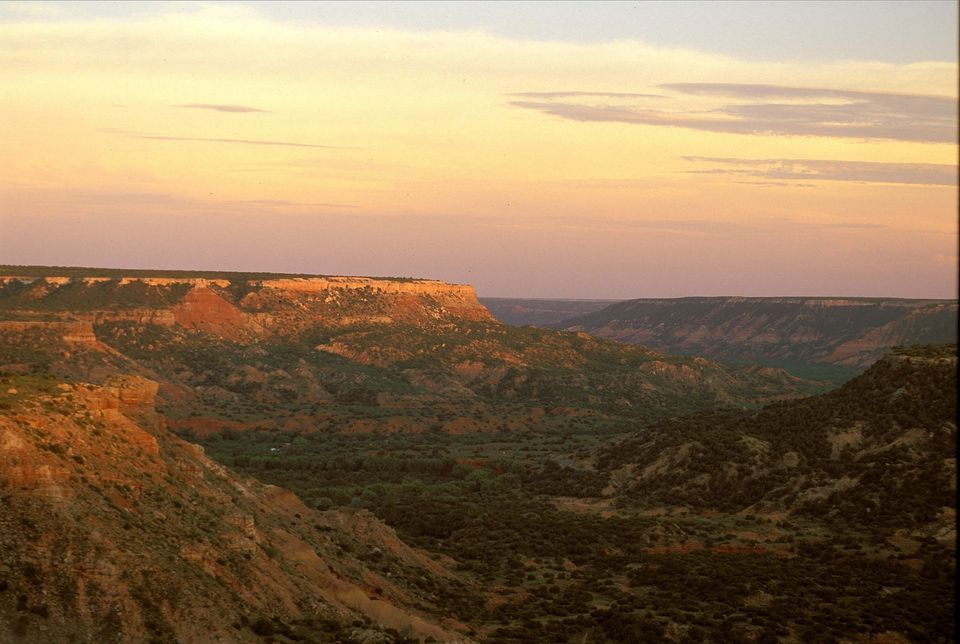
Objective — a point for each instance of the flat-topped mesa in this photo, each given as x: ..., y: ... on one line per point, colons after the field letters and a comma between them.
x: 61, y: 280
x: 402, y: 299
x: 170, y: 281
x: 294, y: 284
x: 413, y: 286
x: 239, y: 306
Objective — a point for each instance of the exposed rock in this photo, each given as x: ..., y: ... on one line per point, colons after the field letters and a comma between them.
x: 204, y: 310
x: 138, y: 394
x: 122, y: 543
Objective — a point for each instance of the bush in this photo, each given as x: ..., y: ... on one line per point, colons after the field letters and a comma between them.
x: 262, y: 626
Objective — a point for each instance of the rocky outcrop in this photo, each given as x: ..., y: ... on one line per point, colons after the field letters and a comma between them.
x: 113, y: 532
x: 74, y: 333
x: 170, y: 281
x: 418, y: 287
x: 242, y: 309
x: 136, y: 394
x: 159, y: 317
x: 458, y: 299
x: 203, y: 310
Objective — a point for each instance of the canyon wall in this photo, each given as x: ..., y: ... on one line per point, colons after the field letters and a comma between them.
x: 238, y: 309
x: 849, y: 332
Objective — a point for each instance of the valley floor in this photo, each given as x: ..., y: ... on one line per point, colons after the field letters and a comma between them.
x: 545, y: 552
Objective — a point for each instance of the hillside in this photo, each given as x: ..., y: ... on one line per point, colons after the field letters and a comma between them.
x: 830, y: 518
x: 349, y: 354
x: 452, y: 477
x: 114, y: 530
x: 801, y: 334
x: 878, y: 453
x: 539, y: 312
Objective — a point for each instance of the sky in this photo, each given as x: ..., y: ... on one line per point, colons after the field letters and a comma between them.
x: 571, y: 150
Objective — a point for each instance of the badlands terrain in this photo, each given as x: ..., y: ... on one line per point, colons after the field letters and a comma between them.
x: 191, y: 457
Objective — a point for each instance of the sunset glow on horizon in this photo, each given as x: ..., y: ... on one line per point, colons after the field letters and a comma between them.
x: 221, y: 137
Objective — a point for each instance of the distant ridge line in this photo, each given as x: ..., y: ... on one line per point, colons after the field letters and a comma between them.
x: 14, y: 270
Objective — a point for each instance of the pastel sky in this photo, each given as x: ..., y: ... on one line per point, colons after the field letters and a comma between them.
x: 588, y: 150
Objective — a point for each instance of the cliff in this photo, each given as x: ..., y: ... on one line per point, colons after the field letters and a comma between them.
x: 113, y: 530
x: 237, y: 308
x: 841, y: 332
x: 235, y: 352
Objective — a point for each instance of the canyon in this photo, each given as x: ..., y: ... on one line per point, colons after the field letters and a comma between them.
x: 113, y: 529
x: 250, y: 457
x: 797, y: 333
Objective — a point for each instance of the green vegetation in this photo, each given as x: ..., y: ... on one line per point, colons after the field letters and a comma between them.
x: 493, y: 503
x: 932, y: 351
x: 526, y: 514
x: 16, y: 388
x: 78, y: 296
x: 870, y: 453
x: 475, y: 375
x: 581, y: 490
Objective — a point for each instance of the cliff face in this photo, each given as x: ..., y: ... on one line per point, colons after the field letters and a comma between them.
x: 344, y: 301
x: 204, y: 310
x: 113, y: 530
x: 75, y: 333
x: 418, y: 287
x: 778, y: 331
x: 311, y: 353
x: 239, y: 309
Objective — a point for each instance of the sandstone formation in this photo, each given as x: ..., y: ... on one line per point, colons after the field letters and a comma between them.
x: 295, y: 353
x: 242, y: 309
x: 113, y: 530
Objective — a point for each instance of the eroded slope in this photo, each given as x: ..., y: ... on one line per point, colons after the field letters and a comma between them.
x: 790, y: 332
x: 114, y: 530
x: 352, y: 354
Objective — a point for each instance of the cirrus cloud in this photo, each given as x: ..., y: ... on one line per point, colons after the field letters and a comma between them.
x: 202, y: 139
x: 236, y: 109
x: 756, y: 109
x: 928, y: 174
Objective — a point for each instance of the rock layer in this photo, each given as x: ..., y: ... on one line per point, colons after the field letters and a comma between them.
x: 113, y: 530
x: 240, y: 309
x: 852, y: 332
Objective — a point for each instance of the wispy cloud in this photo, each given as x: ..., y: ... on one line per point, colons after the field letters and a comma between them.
x: 162, y: 137
x: 697, y: 225
x: 766, y: 110
x: 284, y: 202
x: 930, y: 174
x: 777, y: 184
x: 761, y: 227
x: 553, y: 95
x: 682, y: 226
x: 853, y: 225
x: 31, y: 9
x: 224, y: 108
x: 102, y: 201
